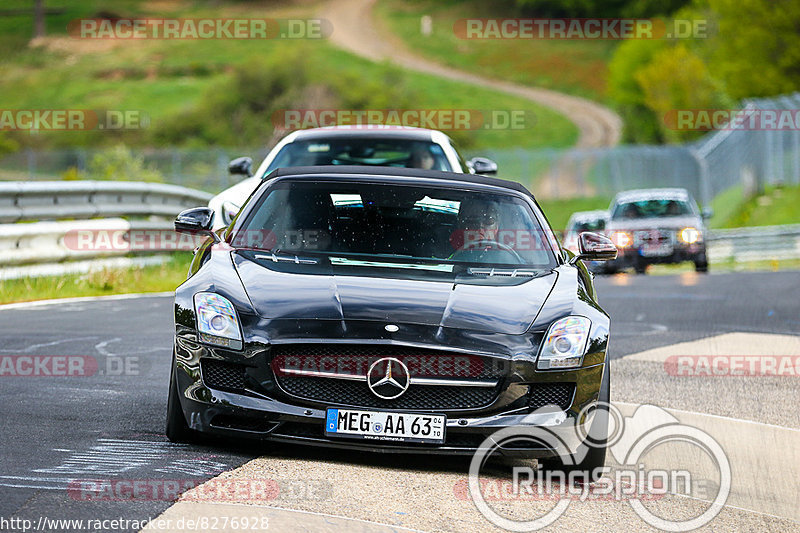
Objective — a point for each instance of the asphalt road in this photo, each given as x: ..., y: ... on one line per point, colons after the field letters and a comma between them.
x: 108, y: 425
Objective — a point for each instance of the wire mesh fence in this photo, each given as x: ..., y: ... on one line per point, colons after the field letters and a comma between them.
x: 726, y: 158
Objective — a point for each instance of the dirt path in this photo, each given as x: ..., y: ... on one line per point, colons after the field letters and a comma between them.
x: 357, y: 30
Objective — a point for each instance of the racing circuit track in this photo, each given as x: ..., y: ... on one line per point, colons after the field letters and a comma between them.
x: 108, y: 425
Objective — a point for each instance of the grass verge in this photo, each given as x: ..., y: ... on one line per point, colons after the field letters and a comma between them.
x: 154, y: 278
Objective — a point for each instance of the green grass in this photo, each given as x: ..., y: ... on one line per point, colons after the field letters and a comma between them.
x: 156, y: 278
x: 576, y: 67
x: 725, y: 206
x: 167, y: 78
x: 778, y: 205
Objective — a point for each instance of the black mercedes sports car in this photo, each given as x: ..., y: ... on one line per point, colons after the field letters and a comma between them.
x: 386, y: 309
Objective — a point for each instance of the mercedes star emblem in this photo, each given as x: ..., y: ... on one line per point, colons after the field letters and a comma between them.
x: 388, y: 378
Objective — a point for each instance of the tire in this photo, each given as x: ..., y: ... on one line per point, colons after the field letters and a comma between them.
x: 701, y: 265
x: 177, y: 430
x: 640, y: 267
x: 595, y: 457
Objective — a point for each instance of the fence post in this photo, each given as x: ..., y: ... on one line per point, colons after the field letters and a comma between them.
x: 704, y: 177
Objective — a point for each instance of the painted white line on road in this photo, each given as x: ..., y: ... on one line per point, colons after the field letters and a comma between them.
x: 727, y: 418
x: 279, y: 519
x: 737, y: 343
x: 110, y: 297
x: 756, y: 452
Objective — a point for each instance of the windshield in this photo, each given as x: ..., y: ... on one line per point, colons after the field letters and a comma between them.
x: 652, y: 209
x: 369, y: 221
x: 362, y: 151
x: 589, y: 225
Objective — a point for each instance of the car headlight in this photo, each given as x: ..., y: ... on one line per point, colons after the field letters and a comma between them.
x: 229, y: 212
x: 565, y: 343
x: 621, y: 239
x: 216, y: 320
x: 690, y: 235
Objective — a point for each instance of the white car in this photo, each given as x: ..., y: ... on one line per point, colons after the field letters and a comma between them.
x: 347, y: 145
x: 581, y: 221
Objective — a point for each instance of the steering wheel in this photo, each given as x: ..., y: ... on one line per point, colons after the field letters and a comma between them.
x: 484, y: 243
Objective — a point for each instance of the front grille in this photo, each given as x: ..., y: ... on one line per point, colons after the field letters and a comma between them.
x: 357, y: 394
x: 355, y: 359
x: 541, y: 394
x: 655, y: 236
x: 222, y: 375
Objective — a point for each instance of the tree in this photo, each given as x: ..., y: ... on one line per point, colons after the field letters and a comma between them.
x: 756, y: 51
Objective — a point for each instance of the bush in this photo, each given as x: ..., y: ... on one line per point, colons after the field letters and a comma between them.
x: 120, y: 164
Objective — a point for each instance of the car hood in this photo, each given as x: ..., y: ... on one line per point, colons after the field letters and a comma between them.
x: 291, y: 291
x: 650, y: 223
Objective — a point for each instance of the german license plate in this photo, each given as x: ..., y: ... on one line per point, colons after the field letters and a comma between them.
x: 376, y: 425
x: 656, y: 250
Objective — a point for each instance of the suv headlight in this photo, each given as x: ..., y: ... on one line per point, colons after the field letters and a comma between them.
x: 565, y: 343
x: 216, y: 320
x: 690, y: 235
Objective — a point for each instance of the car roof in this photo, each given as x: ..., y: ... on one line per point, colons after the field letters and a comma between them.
x: 673, y: 193
x: 589, y: 215
x: 411, y: 173
x: 371, y: 131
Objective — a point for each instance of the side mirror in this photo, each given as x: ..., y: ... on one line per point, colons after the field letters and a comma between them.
x: 483, y: 165
x: 707, y: 213
x: 595, y: 247
x: 241, y: 166
x: 197, y: 220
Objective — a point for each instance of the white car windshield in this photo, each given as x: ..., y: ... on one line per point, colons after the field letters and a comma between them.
x: 362, y: 151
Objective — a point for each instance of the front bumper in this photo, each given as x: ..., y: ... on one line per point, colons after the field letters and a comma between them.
x: 632, y: 257
x: 263, y: 411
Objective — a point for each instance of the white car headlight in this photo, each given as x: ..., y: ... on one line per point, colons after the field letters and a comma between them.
x: 690, y: 235
x: 216, y: 320
x: 565, y: 343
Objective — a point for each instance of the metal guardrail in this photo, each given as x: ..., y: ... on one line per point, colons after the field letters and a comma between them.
x: 54, y: 200
x: 34, y: 229
x: 763, y: 243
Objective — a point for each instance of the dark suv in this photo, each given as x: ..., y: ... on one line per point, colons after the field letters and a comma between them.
x: 657, y: 226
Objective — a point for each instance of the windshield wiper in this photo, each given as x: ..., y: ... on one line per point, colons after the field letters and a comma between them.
x: 505, y: 272
x: 344, y: 261
x: 288, y: 258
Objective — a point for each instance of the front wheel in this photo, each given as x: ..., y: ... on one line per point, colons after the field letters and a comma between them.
x: 589, y: 467
x: 701, y: 266
x: 177, y: 429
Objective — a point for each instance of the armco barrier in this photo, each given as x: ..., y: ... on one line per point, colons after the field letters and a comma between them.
x: 34, y: 229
